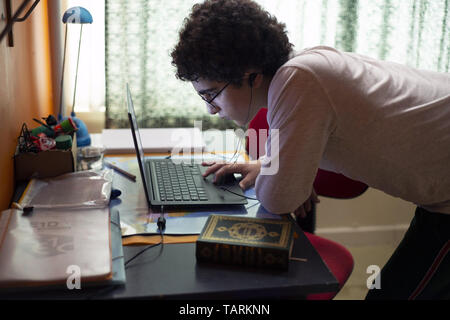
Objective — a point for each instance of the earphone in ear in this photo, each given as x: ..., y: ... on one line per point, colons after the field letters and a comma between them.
x: 251, y: 79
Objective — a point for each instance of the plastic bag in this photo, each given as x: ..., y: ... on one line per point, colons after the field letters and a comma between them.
x: 77, y: 190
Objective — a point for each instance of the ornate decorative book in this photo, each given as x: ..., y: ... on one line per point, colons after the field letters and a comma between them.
x: 253, y: 242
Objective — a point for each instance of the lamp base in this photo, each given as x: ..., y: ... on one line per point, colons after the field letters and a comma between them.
x: 83, y: 137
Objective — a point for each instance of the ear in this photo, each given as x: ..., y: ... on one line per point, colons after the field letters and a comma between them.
x: 255, y: 80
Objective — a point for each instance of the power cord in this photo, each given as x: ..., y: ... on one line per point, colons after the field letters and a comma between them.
x: 161, y: 223
x: 142, y: 251
x: 240, y: 195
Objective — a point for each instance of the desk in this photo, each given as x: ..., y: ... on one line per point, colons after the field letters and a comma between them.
x: 171, y: 271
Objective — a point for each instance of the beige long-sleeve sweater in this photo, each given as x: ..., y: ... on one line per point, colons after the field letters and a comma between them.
x: 382, y: 123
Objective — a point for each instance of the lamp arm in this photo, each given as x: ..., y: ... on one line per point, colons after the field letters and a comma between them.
x: 76, y: 73
x: 60, y: 115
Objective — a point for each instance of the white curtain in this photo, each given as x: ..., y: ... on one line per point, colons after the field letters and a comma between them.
x: 141, y: 34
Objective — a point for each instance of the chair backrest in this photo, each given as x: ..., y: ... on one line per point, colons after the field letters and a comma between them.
x: 329, y: 184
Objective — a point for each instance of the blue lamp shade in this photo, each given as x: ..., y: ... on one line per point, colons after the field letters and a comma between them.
x: 78, y: 15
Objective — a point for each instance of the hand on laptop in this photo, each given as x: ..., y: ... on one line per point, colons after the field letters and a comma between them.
x: 249, y: 171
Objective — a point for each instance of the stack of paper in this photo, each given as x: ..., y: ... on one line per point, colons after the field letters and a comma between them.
x: 76, y: 190
x: 118, y: 141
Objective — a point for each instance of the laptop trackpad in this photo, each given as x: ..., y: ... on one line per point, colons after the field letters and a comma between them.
x: 198, y: 181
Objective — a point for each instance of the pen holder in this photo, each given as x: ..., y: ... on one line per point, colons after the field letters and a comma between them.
x: 45, y: 164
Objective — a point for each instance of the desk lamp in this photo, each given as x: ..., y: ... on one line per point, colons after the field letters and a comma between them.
x: 75, y: 15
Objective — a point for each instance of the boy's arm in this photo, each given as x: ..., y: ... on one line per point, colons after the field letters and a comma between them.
x: 301, y: 118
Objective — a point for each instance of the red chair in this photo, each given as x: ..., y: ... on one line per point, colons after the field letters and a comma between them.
x: 338, y: 259
x: 328, y: 184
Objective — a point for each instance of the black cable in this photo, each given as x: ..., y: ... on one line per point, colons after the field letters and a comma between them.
x: 246, y: 121
x: 142, y: 251
x: 161, y: 223
x: 255, y: 204
x: 240, y: 195
x: 239, y: 145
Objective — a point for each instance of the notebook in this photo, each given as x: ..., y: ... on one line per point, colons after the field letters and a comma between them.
x: 46, y: 247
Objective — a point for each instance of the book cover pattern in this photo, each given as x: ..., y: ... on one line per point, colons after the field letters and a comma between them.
x: 245, y: 241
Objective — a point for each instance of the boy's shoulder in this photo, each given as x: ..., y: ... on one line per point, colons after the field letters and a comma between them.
x: 312, y: 56
x: 315, y: 62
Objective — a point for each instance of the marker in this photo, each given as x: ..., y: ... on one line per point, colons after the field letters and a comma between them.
x: 125, y: 173
x: 43, y: 124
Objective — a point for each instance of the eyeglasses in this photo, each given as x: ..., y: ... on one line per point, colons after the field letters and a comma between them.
x: 209, y: 101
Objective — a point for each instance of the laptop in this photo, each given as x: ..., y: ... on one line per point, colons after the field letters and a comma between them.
x: 170, y: 183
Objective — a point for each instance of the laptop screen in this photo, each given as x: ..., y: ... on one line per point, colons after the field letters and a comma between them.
x: 137, y: 142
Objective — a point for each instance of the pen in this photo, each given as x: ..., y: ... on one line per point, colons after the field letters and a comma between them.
x: 43, y: 124
x: 125, y: 173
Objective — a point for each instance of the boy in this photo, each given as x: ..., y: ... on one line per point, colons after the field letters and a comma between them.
x: 377, y: 122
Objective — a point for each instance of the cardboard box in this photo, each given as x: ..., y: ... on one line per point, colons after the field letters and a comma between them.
x: 45, y: 164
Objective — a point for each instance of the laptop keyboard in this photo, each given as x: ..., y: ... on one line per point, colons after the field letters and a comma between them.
x: 179, y: 182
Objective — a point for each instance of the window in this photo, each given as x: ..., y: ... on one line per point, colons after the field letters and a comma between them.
x: 140, y: 34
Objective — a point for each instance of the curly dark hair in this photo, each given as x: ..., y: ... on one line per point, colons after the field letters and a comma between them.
x: 222, y: 39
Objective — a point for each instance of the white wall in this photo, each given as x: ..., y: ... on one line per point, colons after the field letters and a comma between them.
x: 371, y: 219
